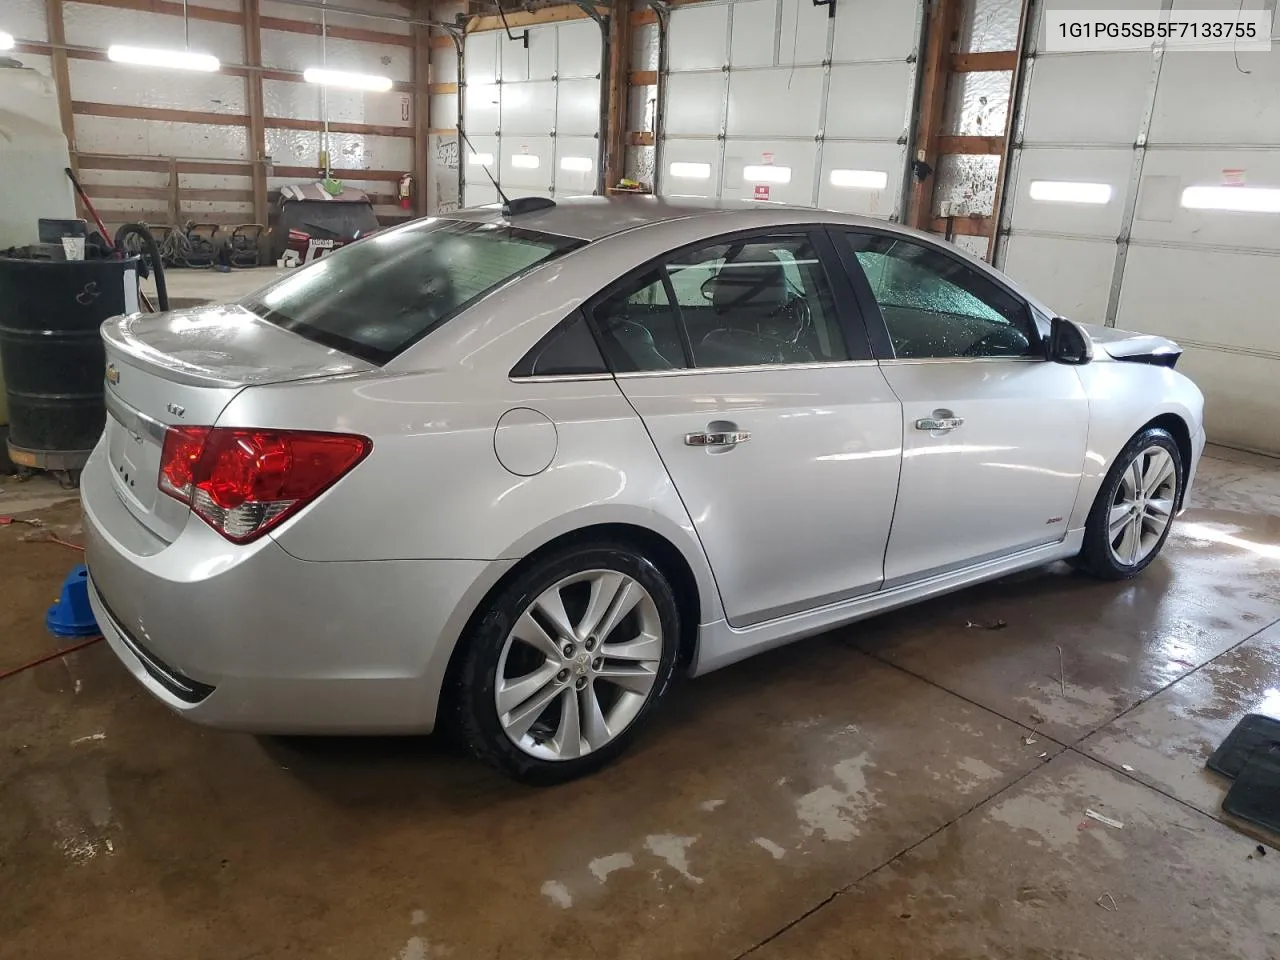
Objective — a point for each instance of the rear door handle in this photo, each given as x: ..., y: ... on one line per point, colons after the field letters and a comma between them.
x: 726, y: 438
x: 938, y: 424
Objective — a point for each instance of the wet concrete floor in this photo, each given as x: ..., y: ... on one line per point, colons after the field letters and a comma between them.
x: 868, y: 793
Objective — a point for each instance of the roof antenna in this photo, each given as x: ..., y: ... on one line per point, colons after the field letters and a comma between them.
x: 506, y: 201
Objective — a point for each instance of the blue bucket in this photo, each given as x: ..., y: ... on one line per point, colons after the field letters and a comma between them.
x: 71, y: 615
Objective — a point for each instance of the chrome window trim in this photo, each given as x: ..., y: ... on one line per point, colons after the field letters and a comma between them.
x: 560, y: 377
x: 755, y: 368
x: 908, y: 360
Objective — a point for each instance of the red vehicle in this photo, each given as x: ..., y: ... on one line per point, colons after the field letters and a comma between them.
x: 311, y: 221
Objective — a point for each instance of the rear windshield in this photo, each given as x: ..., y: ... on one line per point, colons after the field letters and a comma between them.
x: 376, y: 297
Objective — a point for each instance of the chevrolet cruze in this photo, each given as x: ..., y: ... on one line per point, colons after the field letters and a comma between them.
x: 510, y: 469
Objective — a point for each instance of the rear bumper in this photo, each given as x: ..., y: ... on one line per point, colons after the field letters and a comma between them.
x: 251, y: 638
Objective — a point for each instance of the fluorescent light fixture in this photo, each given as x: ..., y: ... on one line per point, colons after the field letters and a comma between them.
x: 1238, y: 199
x: 1069, y: 191
x: 172, y: 59
x: 6, y: 40
x: 480, y: 159
x: 576, y: 164
x: 525, y: 161
x: 341, y: 78
x: 690, y: 171
x: 859, y: 179
x: 767, y: 173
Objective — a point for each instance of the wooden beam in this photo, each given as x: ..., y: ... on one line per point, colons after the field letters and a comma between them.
x: 345, y: 173
x: 62, y: 76
x: 642, y: 78
x: 615, y: 132
x: 437, y: 88
x: 122, y: 111
x: 642, y: 138
x: 161, y: 165
x: 962, y: 226
x: 993, y: 60
x: 369, y: 129
x: 252, y: 29
x: 165, y: 114
x: 970, y: 145
x: 167, y: 7
x: 517, y: 19
x: 421, y: 72
x: 940, y: 30
x: 159, y: 216
x: 442, y: 131
x: 641, y: 17
x: 993, y: 228
x: 441, y: 42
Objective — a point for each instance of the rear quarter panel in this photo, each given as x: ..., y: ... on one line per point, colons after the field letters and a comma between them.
x: 433, y: 486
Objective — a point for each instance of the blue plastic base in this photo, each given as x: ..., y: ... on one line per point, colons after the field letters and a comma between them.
x: 71, y: 615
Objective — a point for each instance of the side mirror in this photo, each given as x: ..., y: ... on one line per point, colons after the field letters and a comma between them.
x: 1068, y: 343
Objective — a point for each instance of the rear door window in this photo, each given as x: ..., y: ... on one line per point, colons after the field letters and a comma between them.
x: 375, y: 298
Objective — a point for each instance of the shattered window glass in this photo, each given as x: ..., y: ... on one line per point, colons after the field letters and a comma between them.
x: 937, y: 307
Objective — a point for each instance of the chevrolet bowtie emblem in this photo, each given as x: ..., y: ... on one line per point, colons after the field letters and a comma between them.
x: 113, y: 375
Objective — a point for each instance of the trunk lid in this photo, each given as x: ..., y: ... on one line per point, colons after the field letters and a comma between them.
x: 184, y: 367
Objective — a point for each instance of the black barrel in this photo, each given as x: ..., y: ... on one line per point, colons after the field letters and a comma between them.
x: 50, y: 312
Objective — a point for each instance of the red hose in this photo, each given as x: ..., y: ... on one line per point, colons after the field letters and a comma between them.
x: 50, y: 656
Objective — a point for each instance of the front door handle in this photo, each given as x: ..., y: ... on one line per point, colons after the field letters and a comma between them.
x: 938, y: 423
x: 723, y: 438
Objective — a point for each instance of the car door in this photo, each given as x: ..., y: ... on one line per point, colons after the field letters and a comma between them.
x: 774, y: 422
x: 994, y: 434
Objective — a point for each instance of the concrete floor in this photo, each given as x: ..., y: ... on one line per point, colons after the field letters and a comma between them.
x: 867, y: 793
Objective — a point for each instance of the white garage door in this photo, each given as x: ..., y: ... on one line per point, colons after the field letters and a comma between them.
x: 532, y: 114
x: 1199, y: 207
x: 775, y: 100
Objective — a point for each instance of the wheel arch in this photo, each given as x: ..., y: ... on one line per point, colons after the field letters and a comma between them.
x: 1180, y: 430
x: 669, y: 558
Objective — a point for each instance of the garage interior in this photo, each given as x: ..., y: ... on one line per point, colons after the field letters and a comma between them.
x: 1013, y: 770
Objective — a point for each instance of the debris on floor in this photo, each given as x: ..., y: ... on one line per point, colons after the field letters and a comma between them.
x: 986, y: 624
x: 1107, y: 902
x: 1110, y: 822
x: 33, y: 522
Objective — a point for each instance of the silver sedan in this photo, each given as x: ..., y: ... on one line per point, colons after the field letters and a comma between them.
x: 511, y: 470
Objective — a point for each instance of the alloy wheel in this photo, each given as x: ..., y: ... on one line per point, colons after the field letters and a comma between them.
x: 579, y: 664
x: 1142, y: 508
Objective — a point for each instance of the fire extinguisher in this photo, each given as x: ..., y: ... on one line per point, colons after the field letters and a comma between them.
x: 406, y: 187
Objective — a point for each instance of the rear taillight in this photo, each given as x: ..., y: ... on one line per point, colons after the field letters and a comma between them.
x: 244, y: 482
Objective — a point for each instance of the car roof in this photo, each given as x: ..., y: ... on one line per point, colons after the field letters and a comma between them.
x: 594, y: 218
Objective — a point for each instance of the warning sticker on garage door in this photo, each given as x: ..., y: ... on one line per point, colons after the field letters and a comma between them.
x: 762, y: 191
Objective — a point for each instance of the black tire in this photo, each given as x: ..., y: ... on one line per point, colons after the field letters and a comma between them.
x: 474, y: 715
x: 1096, y: 556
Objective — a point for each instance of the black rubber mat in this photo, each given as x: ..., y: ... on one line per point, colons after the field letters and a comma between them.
x: 1255, y: 796
x: 1249, y: 734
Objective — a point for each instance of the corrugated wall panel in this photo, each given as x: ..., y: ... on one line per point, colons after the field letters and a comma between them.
x: 119, y: 83
x: 346, y: 150
x: 297, y: 51
x: 24, y: 19
x: 112, y: 135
